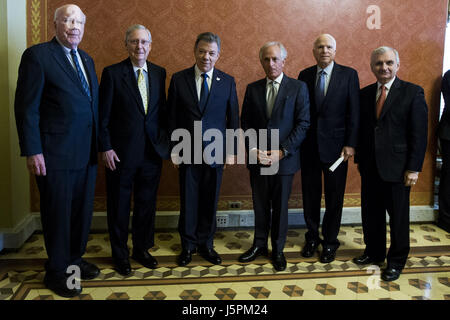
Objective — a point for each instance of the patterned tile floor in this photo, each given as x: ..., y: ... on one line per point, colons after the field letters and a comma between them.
x: 426, y: 276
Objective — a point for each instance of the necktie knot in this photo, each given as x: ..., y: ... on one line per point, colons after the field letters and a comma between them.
x: 204, y: 76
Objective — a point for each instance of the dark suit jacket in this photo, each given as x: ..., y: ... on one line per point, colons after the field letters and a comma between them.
x: 444, y: 124
x: 54, y: 116
x: 335, y: 123
x: 124, y: 126
x: 397, y: 141
x: 221, y: 111
x: 290, y: 115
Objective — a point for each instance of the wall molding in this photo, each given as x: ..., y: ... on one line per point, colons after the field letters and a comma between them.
x: 15, y: 238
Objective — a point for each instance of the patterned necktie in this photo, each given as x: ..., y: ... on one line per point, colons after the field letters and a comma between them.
x: 204, y: 93
x: 381, y: 100
x: 84, y: 83
x: 271, y: 95
x: 320, y: 89
x: 143, y: 89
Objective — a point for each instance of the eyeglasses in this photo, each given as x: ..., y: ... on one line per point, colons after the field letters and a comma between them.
x: 135, y: 42
x: 72, y: 21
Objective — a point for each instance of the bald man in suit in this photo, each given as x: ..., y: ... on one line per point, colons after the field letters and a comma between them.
x: 56, y: 109
x: 334, y: 92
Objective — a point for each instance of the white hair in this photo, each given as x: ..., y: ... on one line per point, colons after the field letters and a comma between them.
x: 271, y: 44
x: 137, y: 27
x: 381, y: 50
x: 60, y: 9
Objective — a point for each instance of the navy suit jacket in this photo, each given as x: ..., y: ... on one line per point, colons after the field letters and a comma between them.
x: 444, y: 124
x: 290, y: 115
x: 221, y: 111
x: 397, y: 141
x: 54, y: 115
x: 335, y: 123
x: 124, y: 126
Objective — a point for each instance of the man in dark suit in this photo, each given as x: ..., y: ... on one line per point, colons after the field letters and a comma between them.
x: 390, y: 154
x: 334, y: 92
x: 276, y: 102
x: 133, y: 143
x: 444, y: 137
x: 201, y: 96
x: 57, y: 121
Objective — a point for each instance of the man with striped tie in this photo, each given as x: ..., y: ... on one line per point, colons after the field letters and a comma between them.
x: 133, y: 143
x: 57, y: 120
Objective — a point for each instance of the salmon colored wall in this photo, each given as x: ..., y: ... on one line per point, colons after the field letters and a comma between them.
x: 415, y: 28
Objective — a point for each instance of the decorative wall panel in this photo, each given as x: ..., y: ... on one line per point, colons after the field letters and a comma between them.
x: 415, y: 29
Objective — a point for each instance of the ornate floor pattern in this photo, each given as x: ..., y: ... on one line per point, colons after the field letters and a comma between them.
x: 425, y: 277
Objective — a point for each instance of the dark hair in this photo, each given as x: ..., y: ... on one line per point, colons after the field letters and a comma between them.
x: 208, y: 37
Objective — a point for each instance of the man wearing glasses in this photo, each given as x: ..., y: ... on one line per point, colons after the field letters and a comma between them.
x: 132, y: 144
x: 57, y: 121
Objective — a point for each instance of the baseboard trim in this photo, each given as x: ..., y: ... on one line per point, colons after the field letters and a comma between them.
x: 14, y: 239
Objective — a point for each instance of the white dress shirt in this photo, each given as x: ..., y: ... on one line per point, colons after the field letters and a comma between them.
x: 199, y: 80
x: 80, y: 61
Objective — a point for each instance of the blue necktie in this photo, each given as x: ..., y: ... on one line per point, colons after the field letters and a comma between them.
x: 80, y: 73
x: 204, y: 93
x: 320, y: 89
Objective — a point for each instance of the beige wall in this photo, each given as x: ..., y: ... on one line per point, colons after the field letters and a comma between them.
x: 14, y: 178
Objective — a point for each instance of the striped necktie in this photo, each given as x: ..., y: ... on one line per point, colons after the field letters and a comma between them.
x: 84, y: 83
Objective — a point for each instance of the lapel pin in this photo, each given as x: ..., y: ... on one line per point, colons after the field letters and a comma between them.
x: 218, y: 79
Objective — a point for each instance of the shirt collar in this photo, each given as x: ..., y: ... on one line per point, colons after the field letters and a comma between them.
x: 387, y: 85
x: 135, y: 68
x: 277, y: 80
x: 328, y: 68
x: 198, y: 72
x: 66, y: 50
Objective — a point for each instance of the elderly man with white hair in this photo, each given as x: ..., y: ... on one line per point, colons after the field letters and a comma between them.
x: 57, y: 122
x: 390, y: 154
x: 334, y: 92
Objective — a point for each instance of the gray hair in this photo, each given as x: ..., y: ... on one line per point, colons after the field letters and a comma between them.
x: 333, y: 40
x: 273, y: 43
x: 135, y: 27
x: 58, y: 12
x: 381, y: 50
x: 208, y: 37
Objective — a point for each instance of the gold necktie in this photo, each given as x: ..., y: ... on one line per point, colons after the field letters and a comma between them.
x: 143, y: 89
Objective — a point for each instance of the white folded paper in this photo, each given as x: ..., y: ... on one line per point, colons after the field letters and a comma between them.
x: 336, y: 164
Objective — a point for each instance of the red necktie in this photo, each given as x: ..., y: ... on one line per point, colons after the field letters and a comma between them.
x: 381, y: 100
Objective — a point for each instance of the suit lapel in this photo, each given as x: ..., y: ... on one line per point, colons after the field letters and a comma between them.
x: 190, y: 81
x: 262, y: 101
x: 130, y: 82
x: 392, y: 95
x: 281, y: 96
x: 61, y: 59
x: 154, y: 87
x: 331, y: 86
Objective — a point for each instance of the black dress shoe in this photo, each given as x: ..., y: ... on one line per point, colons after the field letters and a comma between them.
x: 310, y: 248
x: 252, y: 253
x: 59, y: 286
x: 145, y: 258
x: 185, y: 257
x: 88, y: 270
x: 328, y: 255
x: 210, y: 255
x: 279, y: 261
x: 122, y: 266
x: 365, y: 259
x: 390, y: 274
